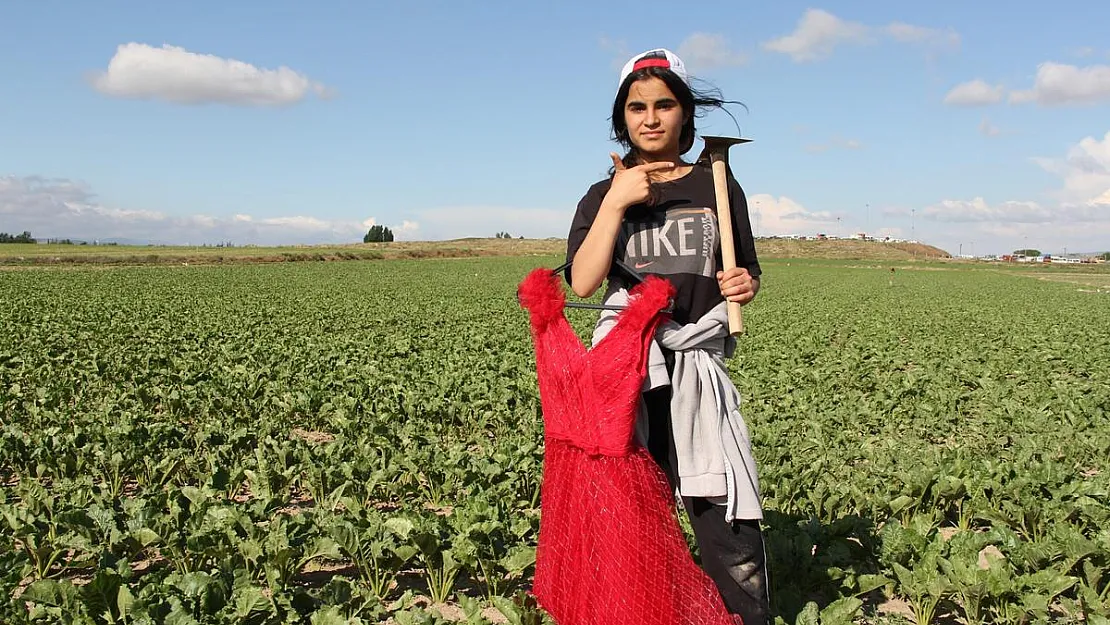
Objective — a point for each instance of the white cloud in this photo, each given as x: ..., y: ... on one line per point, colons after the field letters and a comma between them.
x: 816, y: 35
x: 59, y: 208
x: 819, y: 32
x: 485, y: 221
x: 1012, y: 225
x: 1076, y: 216
x: 1076, y: 237
x: 1085, y: 170
x: 177, y: 75
x: 703, y: 50
x: 1058, y: 84
x: 908, y: 33
x: 987, y: 129
x: 619, y: 51
x: 975, y: 93
x: 784, y: 216
x: 978, y: 209
x: 835, y: 142
x: 1084, y: 195
x: 407, y: 228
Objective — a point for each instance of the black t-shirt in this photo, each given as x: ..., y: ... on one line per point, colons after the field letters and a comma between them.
x: 677, y: 238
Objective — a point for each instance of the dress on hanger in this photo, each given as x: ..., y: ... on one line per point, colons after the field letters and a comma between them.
x: 610, y: 549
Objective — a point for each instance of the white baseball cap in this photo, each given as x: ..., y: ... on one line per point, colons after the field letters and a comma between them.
x: 659, y: 57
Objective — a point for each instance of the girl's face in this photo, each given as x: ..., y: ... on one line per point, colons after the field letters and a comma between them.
x: 654, y: 118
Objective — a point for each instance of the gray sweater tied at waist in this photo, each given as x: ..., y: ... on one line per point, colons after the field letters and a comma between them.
x: 712, y: 449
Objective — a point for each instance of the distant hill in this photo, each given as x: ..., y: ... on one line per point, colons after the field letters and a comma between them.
x: 847, y: 249
x: 31, y: 254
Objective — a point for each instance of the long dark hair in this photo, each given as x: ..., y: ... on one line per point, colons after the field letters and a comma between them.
x: 693, y: 102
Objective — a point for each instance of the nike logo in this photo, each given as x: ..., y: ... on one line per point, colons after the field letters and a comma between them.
x: 642, y: 265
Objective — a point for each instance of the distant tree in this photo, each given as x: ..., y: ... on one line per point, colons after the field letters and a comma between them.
x: 1027, y: 252
x: 504, y: 235
x: 378, y: 234
x: 1104, y: 256
x: 25, y: 237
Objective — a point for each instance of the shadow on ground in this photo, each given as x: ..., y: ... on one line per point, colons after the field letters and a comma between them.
x: 810, y: 560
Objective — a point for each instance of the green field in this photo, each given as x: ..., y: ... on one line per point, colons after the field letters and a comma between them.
x: 68, y: 255
x: 360, y: 441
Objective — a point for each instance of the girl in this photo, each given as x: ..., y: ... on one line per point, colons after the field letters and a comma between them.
x: 657, y: 213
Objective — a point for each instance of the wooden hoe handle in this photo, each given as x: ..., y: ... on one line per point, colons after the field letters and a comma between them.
x: 724, y: 224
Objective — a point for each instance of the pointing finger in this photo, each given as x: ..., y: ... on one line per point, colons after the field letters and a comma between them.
x: 650, y: 167
x: 617, y: 164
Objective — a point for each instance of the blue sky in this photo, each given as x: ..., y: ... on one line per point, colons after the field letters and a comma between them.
x: 975, y: 126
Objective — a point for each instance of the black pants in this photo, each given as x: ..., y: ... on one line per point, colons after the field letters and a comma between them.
x: 732, y: 554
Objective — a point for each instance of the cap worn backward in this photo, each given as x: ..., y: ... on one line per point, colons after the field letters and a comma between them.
x: 659, y: 57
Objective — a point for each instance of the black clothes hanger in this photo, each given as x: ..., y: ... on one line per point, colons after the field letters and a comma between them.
x: 632, y: 273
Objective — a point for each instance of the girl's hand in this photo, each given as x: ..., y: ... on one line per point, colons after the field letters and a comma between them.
x: 632, y: 185
x: 737, y: 285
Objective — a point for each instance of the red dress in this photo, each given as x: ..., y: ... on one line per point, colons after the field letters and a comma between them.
x: 610, y: 550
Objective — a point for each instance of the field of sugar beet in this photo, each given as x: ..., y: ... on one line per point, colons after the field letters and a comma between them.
x: 360, y: 441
